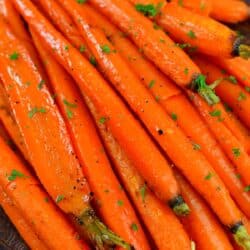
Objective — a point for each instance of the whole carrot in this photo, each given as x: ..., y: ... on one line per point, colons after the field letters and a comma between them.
x: 235, y: 151
x: 228, y: 89
x: 155, y: 44
x: 117, y: 212
x: 239, y: 68
x: 201, y: 223
x: 203, y: 33
x: 140, y: 148
x: 230, y: 11
x: 33, y: 203
x: 177, y: 106
x: 202, y: 7
x: 39, y: 120
x: 159, y: 220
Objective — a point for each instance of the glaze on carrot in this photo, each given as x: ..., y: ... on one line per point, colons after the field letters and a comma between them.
x: 38, y: 117
x: 111, y: 200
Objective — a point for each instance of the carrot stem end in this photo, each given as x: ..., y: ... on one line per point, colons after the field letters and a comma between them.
x: 242, y: 238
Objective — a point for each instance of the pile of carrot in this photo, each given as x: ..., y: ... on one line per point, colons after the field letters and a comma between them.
x: 125, y: 124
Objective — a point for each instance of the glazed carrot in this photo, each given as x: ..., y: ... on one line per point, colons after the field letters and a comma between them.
x: 27, y: 194
x: 203, y: 33
x: 20, y: 223
x: 228, y: 89
x: 100, y: 93
x: 155, y: 45
x: 140, y: 148
x: 159, y: 220
x: 177, y: 106
x: 201, y: 223
x: 235, y: 151
x: 239, y: 68
x: 202, y: 7
x: 230, y: 11
x: 39, y: 120
x: 89, y: 150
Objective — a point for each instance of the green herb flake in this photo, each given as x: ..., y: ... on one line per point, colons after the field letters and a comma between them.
x: 143, y: 192
x: 81, y: 1
x: 36, y: 110
x: 149, y: 10
x: 15, y: 174
x: 93, y: 60
x: 196, y: 146
x: 215, y: 113
x: 40, y: 84
x: 134, y: 227
x: 102, y: 120
x: 82, y: 48
x: 191, y: 34
x: 247, y: 188
x: 186, y: 71
x: 247, y: 88
x: 151, y: 84
x: 59, y: 198
x: 69, y: 106
x: 105, y: 49
x: 208, y: 176
x: 232, y: 79
x: 236, y: 152
x: 242, y: 96
x: 14, y: 56
x: 120, y: 203
x: 66, y: 47
x: 174, y: 116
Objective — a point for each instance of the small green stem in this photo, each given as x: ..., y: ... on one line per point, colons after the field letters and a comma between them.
x: 242, y: 238
x: 244, y: 51
x: 205, y: 91
x: 179, y: 206
x: 99, y: 234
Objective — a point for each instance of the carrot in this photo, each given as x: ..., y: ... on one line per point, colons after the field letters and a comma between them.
x: 203, y: 33
x: 98, y: 90
x: 38, y: 117
x: 155, y: 45
x: 140, y: 148
x: 141, y: 102
x: 228, y: 89
x: 118, y: 212
x: 230, y: 11
x: 177, y: 107
x: 201, y: 223
x: 239, y: 68
x: 202, y: 7
x: 235, y: 151
x: 160, y: 222
x: 27, y: 194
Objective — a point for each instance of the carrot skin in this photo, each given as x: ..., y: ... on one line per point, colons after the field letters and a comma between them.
x: 201, y: 223
x: 89, y: 150
x: 29, y: 197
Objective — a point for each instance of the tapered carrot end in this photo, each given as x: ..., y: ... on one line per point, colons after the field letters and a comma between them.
x: 242, y: 237
x: 205, y: 91
x: 244, y: 51
x: 99, y: 234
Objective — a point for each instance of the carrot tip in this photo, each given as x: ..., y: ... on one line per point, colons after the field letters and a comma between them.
x: 244, y: 51
x: 242, y: 237
x: 99, y: 234
x: 205, y: 91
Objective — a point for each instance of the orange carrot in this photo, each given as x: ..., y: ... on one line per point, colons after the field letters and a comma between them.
x: 228, y: 89
x: 235, y: 151
x: 39, y: 120
x: 117, y: 212
x: 155, y: 44
x: 230, y: 11
x: 33, y: 203
x: 160, y: 222
x: 140, y: 148
x: 201, y: 223
x: 202, y: 33
x: 202, y: 7
x: 177, y: 107
x: 239, y: 68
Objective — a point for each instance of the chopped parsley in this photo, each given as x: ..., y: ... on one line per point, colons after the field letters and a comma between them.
x: 69, y: 106
x: 40, y: 84
x: 143, y: 192
x: 105, y: 49
x: 151, y: 84
x: 59, y: 198
x: 81, y: 1
x: 208, y: 177
x: 82, y: 48
x: 93, y: 60
x: 247, y: 188
x: 174, y: 116
x: 134, y: 227
x: 236, y: 152
x: 35, y: 110
x: 66, y: 47
x: 242, y: 97
x: 14, y: 56
x: 191, y: 34
x: 232, y: 79
x: 120, y: 203
x: 149, y: 10
x: 15, y: 174
x: 102, y: 120
x: 247, y: 88
x: 196, y: 146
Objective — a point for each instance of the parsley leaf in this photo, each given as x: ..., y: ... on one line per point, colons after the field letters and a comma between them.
x: 15, y: 174
x: 35, y: 110
x: 14, y: 56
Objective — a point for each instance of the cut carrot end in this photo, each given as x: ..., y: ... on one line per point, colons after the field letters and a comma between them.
x: 99, y: 234
x: 244, y: 51
x: 181, y: 209
x: 205, y: 91
x: 242, y: 238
